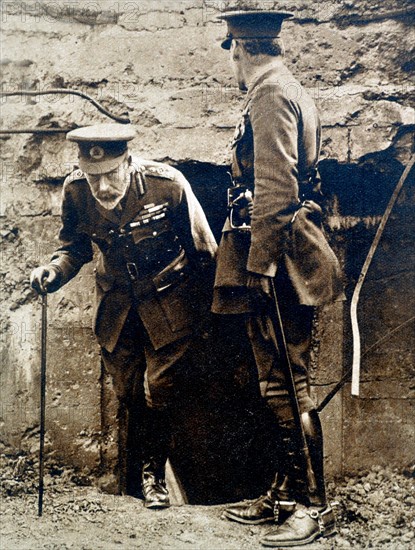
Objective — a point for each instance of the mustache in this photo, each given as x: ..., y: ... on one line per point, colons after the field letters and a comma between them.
x: 107, y: 195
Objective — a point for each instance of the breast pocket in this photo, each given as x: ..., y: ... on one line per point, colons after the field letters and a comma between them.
x: 99, y: 235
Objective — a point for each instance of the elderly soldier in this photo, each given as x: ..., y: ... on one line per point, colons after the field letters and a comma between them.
x: 154, y: 242
x: 273, y: 240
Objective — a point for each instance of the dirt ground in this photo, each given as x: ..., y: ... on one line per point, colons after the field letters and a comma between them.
x: 375, y: 510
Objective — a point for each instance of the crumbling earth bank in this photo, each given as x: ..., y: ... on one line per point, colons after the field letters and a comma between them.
x: 375, y: 510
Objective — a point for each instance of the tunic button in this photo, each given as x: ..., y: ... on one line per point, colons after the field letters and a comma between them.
x: 94, y: 234
x: 154, y: 233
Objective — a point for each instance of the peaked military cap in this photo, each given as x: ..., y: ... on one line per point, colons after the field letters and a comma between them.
x: 102, y: 147
x: 253, y: 24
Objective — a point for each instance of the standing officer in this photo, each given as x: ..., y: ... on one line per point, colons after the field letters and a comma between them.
x: 154, y: 244
x: 273, y: 238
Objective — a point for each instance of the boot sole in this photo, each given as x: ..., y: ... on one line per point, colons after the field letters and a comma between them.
x: 292, y: 543
x: 156, y: 506
x: 247, y: 521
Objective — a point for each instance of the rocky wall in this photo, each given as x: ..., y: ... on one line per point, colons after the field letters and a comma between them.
x: 161, y: 62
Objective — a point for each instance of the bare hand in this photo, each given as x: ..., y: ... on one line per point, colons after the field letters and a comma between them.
x: 260, y: 287
x: 45, y: 278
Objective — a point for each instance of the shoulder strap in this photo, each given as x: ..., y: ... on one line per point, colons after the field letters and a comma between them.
x: 77, y: 174
x: 153, y: 169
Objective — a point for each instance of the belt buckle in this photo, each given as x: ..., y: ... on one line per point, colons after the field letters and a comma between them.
x: 132, y: 271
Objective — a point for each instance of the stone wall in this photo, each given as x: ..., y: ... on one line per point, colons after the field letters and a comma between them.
x: 161, y: 62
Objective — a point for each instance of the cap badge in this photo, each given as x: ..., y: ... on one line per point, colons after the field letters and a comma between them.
x: 96, y: 152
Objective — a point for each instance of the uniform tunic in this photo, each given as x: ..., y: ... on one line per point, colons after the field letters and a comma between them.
x: 150, y: 292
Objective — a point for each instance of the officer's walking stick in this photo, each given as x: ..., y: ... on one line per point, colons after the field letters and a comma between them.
x: 42, y: 398
x: 280, y: 344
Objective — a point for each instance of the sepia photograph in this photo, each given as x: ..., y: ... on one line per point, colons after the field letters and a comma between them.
x: 207, y: 274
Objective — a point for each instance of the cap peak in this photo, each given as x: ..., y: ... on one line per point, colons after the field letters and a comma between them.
x: 106, y: 132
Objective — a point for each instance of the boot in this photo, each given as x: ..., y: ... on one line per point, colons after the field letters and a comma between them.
x: 315, y: 519
x: 155, y: 492
x: 268, y: 507
x: 156, y: 449
x: 304, y: 526
x: 278, y: 502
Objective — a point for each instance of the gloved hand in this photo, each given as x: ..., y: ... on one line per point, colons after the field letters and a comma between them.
x: 46, y: 278
x: 260, y: 288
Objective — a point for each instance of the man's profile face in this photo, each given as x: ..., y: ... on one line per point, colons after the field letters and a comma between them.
x: 108, y: 189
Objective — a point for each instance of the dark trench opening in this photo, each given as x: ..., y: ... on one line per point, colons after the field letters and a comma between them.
x: 222, y: 449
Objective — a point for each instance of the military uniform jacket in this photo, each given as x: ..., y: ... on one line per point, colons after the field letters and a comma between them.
x: 166, y: 256
x: 275, y: 149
